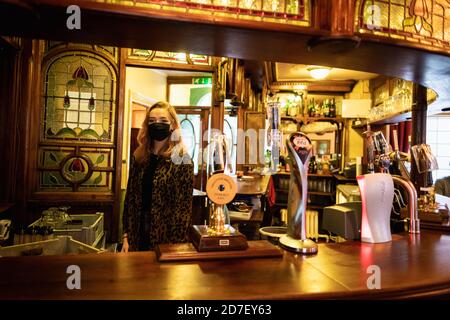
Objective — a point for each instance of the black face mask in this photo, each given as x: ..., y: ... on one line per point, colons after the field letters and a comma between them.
x: 159, y: 131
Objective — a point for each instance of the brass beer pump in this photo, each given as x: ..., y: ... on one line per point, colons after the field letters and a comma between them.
x: 221, y: 189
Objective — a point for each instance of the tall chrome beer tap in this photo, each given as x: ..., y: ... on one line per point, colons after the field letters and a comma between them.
x: 274, y: 134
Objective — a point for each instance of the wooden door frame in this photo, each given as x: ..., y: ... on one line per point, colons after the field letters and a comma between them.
x: 127, y: 61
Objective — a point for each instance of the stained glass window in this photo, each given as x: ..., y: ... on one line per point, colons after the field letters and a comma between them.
x: 172, y: 57
x: 294, y: 12
x: 78, y: 99
x: 78, y: 116
x: 75, y: 168
x: 111, y: 51
x: 420, y: 21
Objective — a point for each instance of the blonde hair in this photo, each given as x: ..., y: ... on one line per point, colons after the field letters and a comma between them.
x: 175, y: 143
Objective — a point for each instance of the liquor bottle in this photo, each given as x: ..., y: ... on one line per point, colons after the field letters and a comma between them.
x: 312, y: 165
x: 317, y: 109
x: 305, y: 107
x: 325, y: 166
x: 293, y: 110
x: 332, y: 109
x: 319, y: 167
x: 300, y: 105
x: 326, y: 108
x: 311, y: 108
x: 268, y: 159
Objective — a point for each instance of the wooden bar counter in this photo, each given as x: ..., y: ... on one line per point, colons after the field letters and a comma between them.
x: 411, y: 266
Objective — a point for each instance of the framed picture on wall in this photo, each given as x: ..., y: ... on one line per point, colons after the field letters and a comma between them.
x: 323, y: 143
x: 321, y: 147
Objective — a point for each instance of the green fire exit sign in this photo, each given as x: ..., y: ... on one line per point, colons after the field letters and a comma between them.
x: 202, y: 80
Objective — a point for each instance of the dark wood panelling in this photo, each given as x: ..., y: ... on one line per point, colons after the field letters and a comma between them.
x: 321, y: 16
x: 19, y: 72
x: 8, y: 63
x: 419, y: 133
x: 342, y: 17
x: 119, y: 126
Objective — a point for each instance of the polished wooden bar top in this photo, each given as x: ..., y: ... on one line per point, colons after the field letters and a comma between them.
x: 411, y: 266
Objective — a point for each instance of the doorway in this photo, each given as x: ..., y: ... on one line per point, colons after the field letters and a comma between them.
x: 190, y: 92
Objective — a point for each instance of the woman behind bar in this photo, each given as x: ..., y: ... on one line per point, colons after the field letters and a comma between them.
x: 158, y: 201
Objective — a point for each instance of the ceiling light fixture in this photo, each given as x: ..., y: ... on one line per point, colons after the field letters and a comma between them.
x: 319, y: 73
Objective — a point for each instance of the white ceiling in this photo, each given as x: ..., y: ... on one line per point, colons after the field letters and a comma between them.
x: 299, y: 72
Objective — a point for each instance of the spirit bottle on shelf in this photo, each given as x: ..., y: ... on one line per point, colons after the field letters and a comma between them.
x: 326, y: 108
x: 332, y: 111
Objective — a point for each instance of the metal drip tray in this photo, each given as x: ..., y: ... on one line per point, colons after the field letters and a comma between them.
x: 272, y: 234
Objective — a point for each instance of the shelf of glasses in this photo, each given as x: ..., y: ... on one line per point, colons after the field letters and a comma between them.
x: 388, y: 119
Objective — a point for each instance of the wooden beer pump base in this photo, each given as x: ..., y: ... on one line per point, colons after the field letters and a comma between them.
x: 218, y: 236
x: 203, y: 241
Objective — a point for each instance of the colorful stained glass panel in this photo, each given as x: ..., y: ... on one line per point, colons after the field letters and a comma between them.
x: 78, y: 99
x: 418, y: 21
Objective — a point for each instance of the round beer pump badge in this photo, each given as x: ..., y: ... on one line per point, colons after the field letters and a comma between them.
x: 302, y: 145
x: 221, y: 188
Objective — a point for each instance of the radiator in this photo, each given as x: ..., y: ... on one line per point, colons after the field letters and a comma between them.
x: 312, y: 224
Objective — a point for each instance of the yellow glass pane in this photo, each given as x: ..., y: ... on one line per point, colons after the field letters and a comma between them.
x: 292, y: 6
x: 383, y: 14
x: 225, y: 3
x: 410, y: 29
x: 438, y: 27
x: 375, y: 14
x: 247, y: 4
x: 447, y: 30
x: 438, y: 10
x: 397, y: 16
x: 273, y: 5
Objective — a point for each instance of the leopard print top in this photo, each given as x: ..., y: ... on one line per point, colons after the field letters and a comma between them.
x: 171, y: 202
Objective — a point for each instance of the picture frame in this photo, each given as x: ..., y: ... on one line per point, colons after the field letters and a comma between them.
x: 321, y: 147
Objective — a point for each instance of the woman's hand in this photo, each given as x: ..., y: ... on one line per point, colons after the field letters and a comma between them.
x: 125, y: 245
